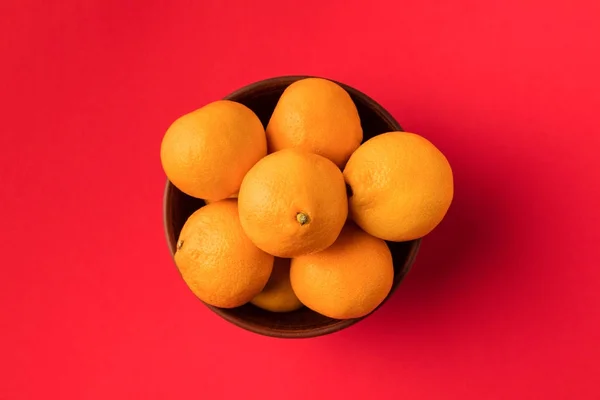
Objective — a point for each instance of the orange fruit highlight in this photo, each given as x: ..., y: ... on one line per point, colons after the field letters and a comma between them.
x: 207, y: 152
x: 316, y: 115
x: 216, y: 259
x: 278, y: 296
x: 208, y: 201
x: 293, y: 203
x: 348, y: 279
x: 401, y: 186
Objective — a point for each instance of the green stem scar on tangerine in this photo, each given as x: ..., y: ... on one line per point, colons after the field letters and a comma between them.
x: 302, y: 218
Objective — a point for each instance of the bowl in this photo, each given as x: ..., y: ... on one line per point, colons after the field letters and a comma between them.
x: 261, y: 97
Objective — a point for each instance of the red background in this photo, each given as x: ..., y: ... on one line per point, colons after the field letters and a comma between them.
x: 504, y: 300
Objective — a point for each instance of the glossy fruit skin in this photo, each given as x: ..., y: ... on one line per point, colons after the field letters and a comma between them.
x: 207, y: 152
x: 316, y: 115
x: 278, y: 295
x: 283, y: 187
x: 348, y: 279
x: 401, y: 186
x: 216, y: 259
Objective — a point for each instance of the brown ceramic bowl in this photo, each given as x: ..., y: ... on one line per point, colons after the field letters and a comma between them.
x: 261, y: 97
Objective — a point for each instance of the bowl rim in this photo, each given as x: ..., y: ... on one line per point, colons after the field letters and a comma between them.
x: 275, y: 83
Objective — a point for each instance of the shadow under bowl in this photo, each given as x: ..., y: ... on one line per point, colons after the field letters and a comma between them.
x: 261, y: 97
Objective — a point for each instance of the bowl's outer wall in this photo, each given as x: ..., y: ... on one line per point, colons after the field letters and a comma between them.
x: 262, y: 97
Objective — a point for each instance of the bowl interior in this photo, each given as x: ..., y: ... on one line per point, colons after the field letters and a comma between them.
x: 261, y: 97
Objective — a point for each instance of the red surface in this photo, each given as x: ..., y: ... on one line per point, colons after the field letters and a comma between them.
x: 504, y: 300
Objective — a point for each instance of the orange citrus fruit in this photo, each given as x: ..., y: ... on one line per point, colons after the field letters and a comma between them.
x: 278, y: 296
x: 207, y: 152
x: 349, y: 279
x: 292, y: 203
x: 316, y: 115
x: 216, y: 259
x: 401, y: 186
x: 208, y: 201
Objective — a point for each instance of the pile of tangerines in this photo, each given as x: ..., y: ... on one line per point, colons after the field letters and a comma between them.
x: 298, y: 213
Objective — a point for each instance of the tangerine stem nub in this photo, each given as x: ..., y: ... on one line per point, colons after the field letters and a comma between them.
x: 302, y: 218
x: 179, y: 244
